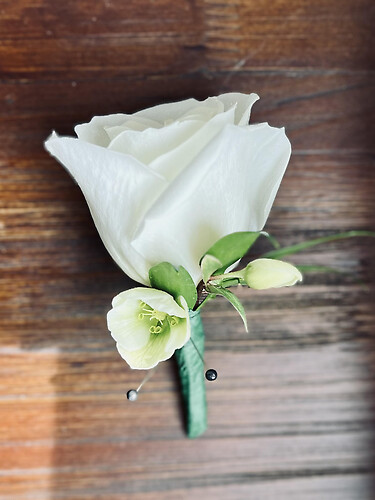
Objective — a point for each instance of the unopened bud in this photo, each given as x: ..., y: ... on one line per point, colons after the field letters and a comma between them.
x: 270, y: 273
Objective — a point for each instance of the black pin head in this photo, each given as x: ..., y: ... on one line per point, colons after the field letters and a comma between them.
x: 211, y: 374
x: 132, y: 395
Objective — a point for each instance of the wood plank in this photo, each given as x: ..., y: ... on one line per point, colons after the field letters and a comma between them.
x: 290, y: 34
x: 322, y: 112
x: 111, y: 37
x: 307, y: 406
x: 335, y: 487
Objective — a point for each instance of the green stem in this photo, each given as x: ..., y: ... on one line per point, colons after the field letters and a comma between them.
x: 217, y: 279
x: 276, y: 254
x: 191, y: 371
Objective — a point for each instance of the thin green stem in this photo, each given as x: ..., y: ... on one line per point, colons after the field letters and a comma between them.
x: 275, y: 254
x: 214, y: 280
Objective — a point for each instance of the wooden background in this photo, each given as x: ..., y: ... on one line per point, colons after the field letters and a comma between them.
x: 292, y: 413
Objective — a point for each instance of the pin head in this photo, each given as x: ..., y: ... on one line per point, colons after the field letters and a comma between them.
x: 211, y: 374
x: 132, y: 395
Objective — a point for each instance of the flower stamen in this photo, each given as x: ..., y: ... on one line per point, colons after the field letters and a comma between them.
x: 159, y: 315
x: 155, y: 329
x: 160, y: 321
x: 173, y: 320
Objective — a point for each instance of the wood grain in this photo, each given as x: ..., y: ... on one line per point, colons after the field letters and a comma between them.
x: 291, y: 415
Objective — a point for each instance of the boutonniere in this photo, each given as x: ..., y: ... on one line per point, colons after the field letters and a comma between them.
x: 179, y: 193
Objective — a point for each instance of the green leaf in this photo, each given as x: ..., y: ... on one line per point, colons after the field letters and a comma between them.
x: 232, y: 247
x: 233, y: 299
x: 209, y: 265
x: 176, y: 282
x: 276, y: 254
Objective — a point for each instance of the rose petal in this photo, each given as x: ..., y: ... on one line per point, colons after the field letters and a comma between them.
x: 97, y: 131
x: 243, y: 103
x: 175, y: 110
x: 204, y: 110
x: 139, y: 124
x: 151, y: 143
x: 176, y: 160
x: 94, y: 131
x: 118, y: 190
x: 230, y: 186
x: 101, y: 130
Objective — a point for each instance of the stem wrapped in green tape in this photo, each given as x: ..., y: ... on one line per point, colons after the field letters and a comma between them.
x: 191, y: 370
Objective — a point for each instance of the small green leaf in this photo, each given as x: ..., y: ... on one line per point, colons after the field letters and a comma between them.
x: 174, y: 281
x: 277, y: 254
x: 232, y: 247
x: 209, y: 265
x: 233, y: 299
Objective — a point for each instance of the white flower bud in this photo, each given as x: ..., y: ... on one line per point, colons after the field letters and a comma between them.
x: 270, y: 273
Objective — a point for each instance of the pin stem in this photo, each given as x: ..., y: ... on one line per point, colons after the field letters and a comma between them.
x: 132, y: 394
x: 147, y: 377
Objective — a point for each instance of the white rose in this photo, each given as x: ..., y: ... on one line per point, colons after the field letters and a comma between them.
x: 164, y: 184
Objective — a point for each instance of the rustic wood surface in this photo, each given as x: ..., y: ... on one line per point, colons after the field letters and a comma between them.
x: 292, y: 413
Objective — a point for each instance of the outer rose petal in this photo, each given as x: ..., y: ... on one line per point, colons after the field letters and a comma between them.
x: 230, y: 186
x: 118, y: 190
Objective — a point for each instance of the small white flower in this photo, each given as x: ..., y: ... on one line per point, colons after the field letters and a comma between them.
x: 270, y: 273
x: 166, y: 183
x: 148, y: 326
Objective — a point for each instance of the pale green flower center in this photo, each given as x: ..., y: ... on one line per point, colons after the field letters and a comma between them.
x: 158, y: 321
